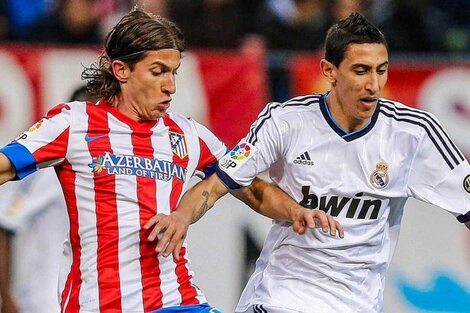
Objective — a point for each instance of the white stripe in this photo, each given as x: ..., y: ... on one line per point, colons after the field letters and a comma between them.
x: 162, y: 151
x: 84, y: 190
x: 129, y: 223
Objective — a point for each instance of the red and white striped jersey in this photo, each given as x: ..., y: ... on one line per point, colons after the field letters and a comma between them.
x: 116, y: 174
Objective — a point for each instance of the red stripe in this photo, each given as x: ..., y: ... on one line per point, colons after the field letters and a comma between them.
x: 187, y: 291
x: 206, y: 158
x: 146, y: 194
x: 106, y: 215
x: 74, y: 280
x: 53, y: 150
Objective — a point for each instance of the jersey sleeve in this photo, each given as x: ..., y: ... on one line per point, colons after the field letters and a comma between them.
x: 440, y: 175
x: 211, y: 148
x: 44, y: 144
x: 255, y: 153
x: 24, y: 200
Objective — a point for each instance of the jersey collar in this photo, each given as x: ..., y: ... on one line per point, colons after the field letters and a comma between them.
x: 347, y: 136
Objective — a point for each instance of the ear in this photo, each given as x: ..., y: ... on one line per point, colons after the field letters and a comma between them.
x: 328, y: 70
x: 120, y: 70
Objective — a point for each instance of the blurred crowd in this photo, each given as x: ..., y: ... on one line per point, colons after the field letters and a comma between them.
x: 293, y: 25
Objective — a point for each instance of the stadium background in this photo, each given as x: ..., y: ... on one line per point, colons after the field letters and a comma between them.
x: 225, y: 89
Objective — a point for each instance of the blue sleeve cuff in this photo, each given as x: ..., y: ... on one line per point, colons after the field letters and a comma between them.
x: 227, y: 180
x: 21, y: 158
x: 464, y: 218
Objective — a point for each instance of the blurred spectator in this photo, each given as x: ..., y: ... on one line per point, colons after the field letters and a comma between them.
x: 208, y: 23
x: 3, y: 21
x: 457, y: 30
x: 22, y: 15
x: 413, y: 26
x: 341, y: 9
x: 72, y: 22
x: 293, y: 24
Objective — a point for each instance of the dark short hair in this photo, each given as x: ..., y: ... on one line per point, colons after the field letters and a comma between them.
x: 355, y: 29
x: 133, y: 36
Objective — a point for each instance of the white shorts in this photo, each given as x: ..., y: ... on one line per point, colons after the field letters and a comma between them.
x: 262, y: 308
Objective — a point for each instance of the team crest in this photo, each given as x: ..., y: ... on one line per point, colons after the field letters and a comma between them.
x: 379, y: 178
x: 466, y: 183
x: 178, y: 145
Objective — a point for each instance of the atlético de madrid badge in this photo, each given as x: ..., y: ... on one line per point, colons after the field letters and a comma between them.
x: 178, y: 144
x: 379, y: 178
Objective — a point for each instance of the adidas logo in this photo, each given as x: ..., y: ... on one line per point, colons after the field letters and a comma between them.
x: 304, y: 159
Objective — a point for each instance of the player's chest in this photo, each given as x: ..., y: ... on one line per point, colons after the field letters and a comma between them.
x: 159, y: 154
x: 371, y: 164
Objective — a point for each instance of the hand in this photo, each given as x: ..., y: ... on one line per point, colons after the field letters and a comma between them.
x: 8, y: 305
x: 174, y: 228
x: 307, y: 218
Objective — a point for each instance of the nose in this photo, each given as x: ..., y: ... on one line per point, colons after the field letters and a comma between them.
x: 372, y: 84
x: 169, y: 85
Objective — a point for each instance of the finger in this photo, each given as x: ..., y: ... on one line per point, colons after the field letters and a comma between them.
x: 151, y: 222
x: 309, y: 220
x: 177, y: 250
x: 323, y: 220
x: 164, y: 240
x: 177, y: 238
x: 157, y: 229
x: 332, y: 224
x: 340, y: 230
x: 299, y: 227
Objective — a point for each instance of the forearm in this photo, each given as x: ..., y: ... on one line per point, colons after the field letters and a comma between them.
x: 7, y: 171
x: 201, y: 198
x: 268, y: 200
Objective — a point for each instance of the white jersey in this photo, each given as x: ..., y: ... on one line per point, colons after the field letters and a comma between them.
x: 34, y: 210
x: 116, y: 174
x: 362, y: 179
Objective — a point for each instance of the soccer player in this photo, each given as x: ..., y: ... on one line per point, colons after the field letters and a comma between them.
x: 352, y: 154
x: 120, y: 162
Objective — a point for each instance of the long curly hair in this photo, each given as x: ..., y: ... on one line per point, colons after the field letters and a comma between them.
x: 133, y: 36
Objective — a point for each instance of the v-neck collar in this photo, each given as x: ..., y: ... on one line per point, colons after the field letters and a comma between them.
x: 135, y: 125
x: 347, y: 136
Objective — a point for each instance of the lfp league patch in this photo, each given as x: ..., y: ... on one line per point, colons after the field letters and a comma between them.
x: 237, y: 157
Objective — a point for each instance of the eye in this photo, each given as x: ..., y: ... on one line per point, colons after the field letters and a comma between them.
x: 360, y: 72
x: 382, y: 71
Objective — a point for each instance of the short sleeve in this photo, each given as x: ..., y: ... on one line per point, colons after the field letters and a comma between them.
x: 211, y: 150
x: 440, y: 175
x: 44, y: 144
x: 256, y: 152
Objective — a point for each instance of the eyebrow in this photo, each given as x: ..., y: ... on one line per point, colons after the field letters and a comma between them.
x: 368, y: 66
x: 163, y: 65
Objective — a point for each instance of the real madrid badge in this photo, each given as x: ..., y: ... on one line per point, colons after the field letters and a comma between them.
x: 379, y: 178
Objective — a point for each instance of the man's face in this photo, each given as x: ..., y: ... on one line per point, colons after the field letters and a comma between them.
x: 151, y: 83
x: 359, y: 80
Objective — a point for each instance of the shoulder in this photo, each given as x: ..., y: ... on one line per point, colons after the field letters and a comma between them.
x: 181, y: 121
x: 404, y: 114
x: 291, y: 107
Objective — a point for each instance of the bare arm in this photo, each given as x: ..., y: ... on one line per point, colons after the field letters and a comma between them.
x: 261, y: 196
x: 7, y: 170
x: 8, y: 304
x: 194, y: 204
x: 271, y: 201
x: 467, y: 224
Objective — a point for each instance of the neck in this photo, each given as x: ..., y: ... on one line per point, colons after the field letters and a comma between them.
x: 346, y: 121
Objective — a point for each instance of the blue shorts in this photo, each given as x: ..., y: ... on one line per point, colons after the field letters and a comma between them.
x: 200, y: 308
